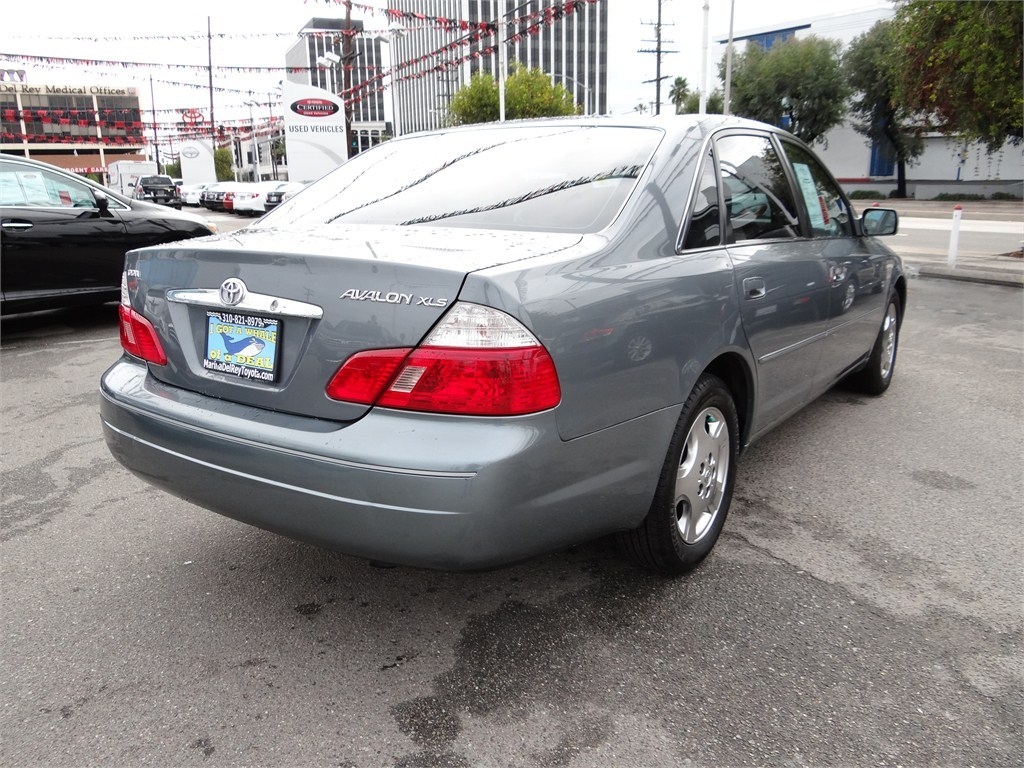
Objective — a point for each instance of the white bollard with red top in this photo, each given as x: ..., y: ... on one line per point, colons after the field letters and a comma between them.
x: 954, y: 235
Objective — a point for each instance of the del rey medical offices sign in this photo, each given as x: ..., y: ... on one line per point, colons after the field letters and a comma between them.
x: 315, y: 132
x: 65, y: 90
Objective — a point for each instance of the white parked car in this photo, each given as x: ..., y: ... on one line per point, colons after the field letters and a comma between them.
x: 251, y: 201
x: 277, y: 196
x: 190, y: 194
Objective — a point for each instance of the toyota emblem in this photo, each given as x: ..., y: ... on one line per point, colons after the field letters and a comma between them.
x: 232, y: 291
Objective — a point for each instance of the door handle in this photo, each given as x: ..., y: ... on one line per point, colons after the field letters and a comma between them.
x: 754, y: 288
x: 18, y: 225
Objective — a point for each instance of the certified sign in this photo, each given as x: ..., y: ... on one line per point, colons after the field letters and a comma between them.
x: 314, y: 107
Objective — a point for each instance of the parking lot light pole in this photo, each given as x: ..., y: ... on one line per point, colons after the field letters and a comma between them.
x: 255, y: 146
x: 589, y: 94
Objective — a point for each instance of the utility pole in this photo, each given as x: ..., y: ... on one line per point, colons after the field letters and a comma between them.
x: 209, y: 73
x: 658, y: 52
x: 152, y: 103
x: 347, y: 62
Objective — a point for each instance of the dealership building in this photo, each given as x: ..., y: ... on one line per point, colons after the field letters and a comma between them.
x: 83, y: 128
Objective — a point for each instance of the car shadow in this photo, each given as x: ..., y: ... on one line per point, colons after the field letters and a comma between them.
x: 58, y: 322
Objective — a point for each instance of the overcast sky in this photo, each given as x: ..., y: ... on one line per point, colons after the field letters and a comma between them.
x: 248, y: 34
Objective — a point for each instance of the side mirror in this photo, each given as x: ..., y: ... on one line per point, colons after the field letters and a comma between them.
x: 102, y: 201
x: 877, y: 222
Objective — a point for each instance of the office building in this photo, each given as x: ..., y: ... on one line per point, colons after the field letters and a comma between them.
x: 442, y: 43
x: 77, y: 126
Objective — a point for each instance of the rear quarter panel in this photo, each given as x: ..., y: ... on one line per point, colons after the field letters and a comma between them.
x: 630, y: 323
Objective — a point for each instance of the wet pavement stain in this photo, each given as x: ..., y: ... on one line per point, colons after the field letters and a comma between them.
x: 941, y: 481
x: 522, y: 656
x: 204, y: 745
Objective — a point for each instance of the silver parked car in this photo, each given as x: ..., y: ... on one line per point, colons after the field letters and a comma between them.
x: 471, y: 346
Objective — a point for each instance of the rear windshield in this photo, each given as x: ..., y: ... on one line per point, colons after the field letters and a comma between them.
x: 540, y: 178
x: 156, y: 180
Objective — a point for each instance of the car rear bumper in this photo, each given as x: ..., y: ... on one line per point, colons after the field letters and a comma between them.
x: 444, y: 492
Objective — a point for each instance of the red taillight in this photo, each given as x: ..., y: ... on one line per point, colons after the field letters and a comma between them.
x: 483, y: 375
x: 364, y: 375
x: 138, y: 337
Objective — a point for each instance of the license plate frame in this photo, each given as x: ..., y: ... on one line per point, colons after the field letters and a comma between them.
x: 243, y: 346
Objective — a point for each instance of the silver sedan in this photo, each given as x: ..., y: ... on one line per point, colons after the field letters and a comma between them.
x: 471, y: 346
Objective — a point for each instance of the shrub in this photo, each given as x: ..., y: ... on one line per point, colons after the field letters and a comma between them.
x: 866, y: 194
x: 1004, y: 196
x: 954, y: 196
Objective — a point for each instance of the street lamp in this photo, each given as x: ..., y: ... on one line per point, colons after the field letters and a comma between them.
x: 330, y: 60
x: 587, y: 107
x: 255, y: 146
x: 273, y: 159
x: 389, y: 41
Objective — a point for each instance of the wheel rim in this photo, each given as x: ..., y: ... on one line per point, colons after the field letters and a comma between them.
x: 639, y: 348
x: 889, y: 328
x: 849, y: 295
x: 702, y: 474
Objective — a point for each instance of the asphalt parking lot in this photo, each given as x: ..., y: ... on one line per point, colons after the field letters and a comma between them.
x: 863, y: 607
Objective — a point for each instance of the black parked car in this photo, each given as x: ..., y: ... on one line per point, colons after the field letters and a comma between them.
x: 64, y: 237
x: 159, y: 189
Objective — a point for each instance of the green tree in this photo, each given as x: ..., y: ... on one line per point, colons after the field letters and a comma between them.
x: 223, y: 163
x: 173, y: 169
x: 800, y: 79
x: 678, y: 92
x: 528, y: 93
x: 961, y: 63
x: 691, y: 105
x: 871, y: 69
x: 476, y: 102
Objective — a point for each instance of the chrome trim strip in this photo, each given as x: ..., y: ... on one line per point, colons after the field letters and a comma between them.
x: 792, y: 347
x: 286, y: 486
x: 253, y: 302
x: 275, y: 448
x: 817, y: 337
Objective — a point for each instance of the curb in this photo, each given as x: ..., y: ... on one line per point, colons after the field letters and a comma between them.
x: 1010, y: 279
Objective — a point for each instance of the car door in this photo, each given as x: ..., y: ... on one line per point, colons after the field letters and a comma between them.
x: 780, y: 277
x: 56, y: 240
x: 855, y: 272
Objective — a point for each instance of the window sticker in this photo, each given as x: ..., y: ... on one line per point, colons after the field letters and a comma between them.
x: 815, y: 204
x: 35, y: 188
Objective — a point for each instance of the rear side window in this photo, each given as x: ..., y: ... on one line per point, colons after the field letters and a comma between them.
x: 704, y: 229
x: 827, y: 209
x: 758, y: 199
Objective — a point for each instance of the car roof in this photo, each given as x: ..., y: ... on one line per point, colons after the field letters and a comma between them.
x: 673, y: 125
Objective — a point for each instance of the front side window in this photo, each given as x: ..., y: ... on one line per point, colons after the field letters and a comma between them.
x: 827, y: 209
x: 21, y: 186
x: 758, y: 199
x: 557, y: 178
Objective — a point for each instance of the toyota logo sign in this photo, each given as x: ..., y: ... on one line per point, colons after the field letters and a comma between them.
x: 232, y: 291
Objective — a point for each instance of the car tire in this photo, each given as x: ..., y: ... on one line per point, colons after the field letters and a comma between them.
x: 874, y: 378
x: 695, y: 486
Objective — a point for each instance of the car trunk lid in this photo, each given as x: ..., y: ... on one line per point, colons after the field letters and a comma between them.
x: 265, y: 317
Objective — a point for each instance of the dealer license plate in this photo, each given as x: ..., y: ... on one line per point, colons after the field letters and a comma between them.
x: 242, y: 345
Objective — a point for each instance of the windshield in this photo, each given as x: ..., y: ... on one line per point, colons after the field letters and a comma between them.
x: 562, y: 178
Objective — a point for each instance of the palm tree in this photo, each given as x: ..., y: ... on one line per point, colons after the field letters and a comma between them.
x: 678, y: 92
